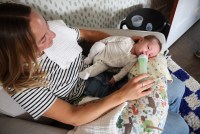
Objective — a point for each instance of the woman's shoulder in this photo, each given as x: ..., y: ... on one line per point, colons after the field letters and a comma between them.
x: 34, y: 100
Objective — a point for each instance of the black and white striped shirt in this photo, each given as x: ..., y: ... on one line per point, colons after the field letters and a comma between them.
x: 63, y: 83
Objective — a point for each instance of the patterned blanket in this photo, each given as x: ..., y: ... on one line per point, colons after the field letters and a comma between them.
x: 189, y: 110
x: 190, y: 105
x: 146, y: 115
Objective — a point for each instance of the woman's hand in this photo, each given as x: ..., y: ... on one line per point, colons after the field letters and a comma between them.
x: 137, y: 87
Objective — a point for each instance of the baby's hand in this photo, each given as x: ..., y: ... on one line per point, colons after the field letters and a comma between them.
x: 112, y: 81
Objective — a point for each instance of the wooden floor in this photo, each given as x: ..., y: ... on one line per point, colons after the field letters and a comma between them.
x: 182, y: 51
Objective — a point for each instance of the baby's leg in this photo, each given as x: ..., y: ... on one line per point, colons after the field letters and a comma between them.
x: 93, y: 70
x: 95, y: 49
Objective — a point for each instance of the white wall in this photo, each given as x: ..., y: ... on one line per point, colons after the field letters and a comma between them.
x: 89, y: 13
x: 109, y: 13
x: 186, y: 14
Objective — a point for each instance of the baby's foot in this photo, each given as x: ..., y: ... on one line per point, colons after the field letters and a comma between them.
x: 88, y: 60
x: 84, y: 75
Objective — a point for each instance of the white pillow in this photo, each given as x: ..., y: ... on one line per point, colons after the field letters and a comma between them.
x: 105, y: 124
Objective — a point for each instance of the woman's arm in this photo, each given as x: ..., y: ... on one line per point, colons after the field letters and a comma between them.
x: 91, y: 36
x: 88, y: 38
x: 136, y: 38
x: 82, y: 114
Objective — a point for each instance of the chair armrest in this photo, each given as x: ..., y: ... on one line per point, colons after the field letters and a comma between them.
x: 10, y: 125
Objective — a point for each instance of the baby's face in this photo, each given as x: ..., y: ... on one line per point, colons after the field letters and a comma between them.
x: 148, y: 48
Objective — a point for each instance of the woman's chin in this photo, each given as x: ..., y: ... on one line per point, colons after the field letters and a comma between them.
x: 50, y: 44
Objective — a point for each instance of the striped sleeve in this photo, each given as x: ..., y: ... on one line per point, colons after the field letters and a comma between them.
x: 35, y: 101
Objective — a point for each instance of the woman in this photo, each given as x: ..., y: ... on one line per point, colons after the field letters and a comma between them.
x: 38, y: 84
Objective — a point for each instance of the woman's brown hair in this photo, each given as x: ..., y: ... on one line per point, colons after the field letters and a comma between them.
x: 18, y: 50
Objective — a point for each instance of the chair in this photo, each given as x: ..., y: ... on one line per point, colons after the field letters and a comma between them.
x: 13, y: 119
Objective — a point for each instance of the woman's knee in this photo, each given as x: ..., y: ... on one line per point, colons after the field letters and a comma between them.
x: 176, y: 88
x: 181, y: 126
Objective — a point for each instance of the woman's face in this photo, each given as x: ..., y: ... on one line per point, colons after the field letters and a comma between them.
x: 43, y: 36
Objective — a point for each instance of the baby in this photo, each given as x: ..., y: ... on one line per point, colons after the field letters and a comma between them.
x: 118, y: 51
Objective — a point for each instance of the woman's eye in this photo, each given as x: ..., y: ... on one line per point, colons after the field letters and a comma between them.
x: 43, y: 41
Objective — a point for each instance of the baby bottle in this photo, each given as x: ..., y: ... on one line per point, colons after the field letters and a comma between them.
x: 143, y: 60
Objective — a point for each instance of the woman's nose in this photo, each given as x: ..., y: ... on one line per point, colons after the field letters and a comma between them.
x: 51, y: 34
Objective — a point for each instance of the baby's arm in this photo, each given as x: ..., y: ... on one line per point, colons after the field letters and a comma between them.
x: 95, y: 49
x: 123, y: 72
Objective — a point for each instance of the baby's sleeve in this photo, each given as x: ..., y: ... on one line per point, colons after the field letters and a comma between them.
x: 123, y: 72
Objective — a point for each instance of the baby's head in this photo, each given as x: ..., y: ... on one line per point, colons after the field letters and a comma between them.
x: 149, y: 45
